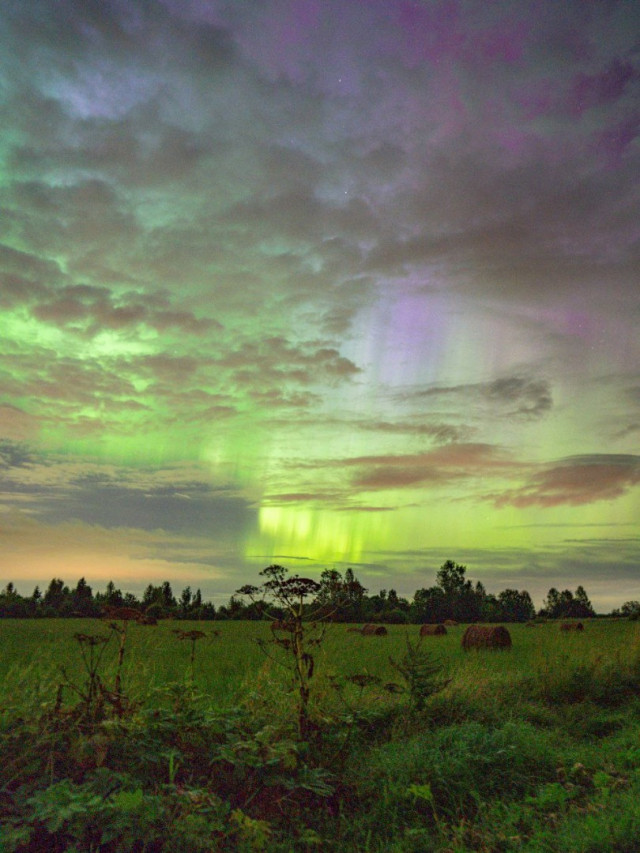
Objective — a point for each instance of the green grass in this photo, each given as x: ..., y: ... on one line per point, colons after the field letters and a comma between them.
x: 543, y: 662
x: 535, y: 749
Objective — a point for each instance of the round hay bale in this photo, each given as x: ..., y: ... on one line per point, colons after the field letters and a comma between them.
x: 282, y: 625
x: 450, y: 623
x: 486, y: 637
x: 373, y: 631
x: 571, y: 626
x: 432, y: 630
x: 126, y: 614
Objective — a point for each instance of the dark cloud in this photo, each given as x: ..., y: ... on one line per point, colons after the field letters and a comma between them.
x: 114, y: 506
x: 14, y: 454
x: 438, y: 431
x: 577, y: 480
x: 90, y: 310
x: 109, y: 497
x: 530, y: 397
x: 274, y: 360
x: 517, y: 396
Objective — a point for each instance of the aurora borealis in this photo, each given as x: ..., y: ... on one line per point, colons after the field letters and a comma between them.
x: 320, y: 283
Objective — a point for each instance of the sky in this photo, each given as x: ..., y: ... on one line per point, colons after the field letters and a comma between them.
x: 325, y: 283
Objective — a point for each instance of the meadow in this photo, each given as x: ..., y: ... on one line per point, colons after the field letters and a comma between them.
x: 536, y: 748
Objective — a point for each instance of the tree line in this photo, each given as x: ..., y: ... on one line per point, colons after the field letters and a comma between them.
x: 453, y: 596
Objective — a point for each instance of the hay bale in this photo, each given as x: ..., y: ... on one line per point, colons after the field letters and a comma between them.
x: 486, y: 637
x: 432, y: 630
x: 373, y: 631
x: 282, y: 625
x: 572, y: 626
x: 126, y: 614
x: 450, y: 623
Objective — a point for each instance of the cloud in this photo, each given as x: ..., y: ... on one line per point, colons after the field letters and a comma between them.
x: 90, y: 310
x: 111, y: 497
x: 451, y: 463
x: 516, y: 396
x: 440, y: 432
x: 335, y: 248
x: 16, y: 424
x: 577, y: 480
x: 530, y: 397
x: 275, y: 360
x: 14, y: 454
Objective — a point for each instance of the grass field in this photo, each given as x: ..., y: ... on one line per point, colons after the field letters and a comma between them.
x: 535, y: 748
x: 231, y: 665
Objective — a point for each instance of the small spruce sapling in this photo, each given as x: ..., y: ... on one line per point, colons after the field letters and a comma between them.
x: 422, y: 673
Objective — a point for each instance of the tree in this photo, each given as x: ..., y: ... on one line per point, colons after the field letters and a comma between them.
x: 340, y: 599
x: 515, y: 606
x: 82, y: 599
x: 582, y: 608
x: 490, y: 610
x: 34, y: 603
x: 207, y: 611
x: 429, y: 605
x: 112, y: 596
x: 631, y: 609
x: 56, y: 598
x: 462, y: 602
x: 162, y: 595
x: 185, y: 603
x: 450, y: 578
x: 355, y: 594
x: 168, y: 598
x: 12, y: 604
x: 151, y: 595
x: 551, y: 603
x: 564, y: 605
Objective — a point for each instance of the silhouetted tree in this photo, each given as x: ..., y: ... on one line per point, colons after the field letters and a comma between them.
x: 56, y: 598
x: 515, y: 606
x: 564, y: 605
x: 82, y: 603
x: 185, y: 603
x: 12, y: 605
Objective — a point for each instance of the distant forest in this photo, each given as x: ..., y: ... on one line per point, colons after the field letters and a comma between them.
x: 343, y: 596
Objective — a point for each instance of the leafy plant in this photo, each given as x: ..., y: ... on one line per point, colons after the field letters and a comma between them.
x: 422, y: 672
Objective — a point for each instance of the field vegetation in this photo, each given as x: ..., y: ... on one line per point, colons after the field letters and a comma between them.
x: 119, y: 736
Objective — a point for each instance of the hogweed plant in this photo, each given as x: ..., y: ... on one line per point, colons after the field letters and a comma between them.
x: 191, y: 637
x: 297, y: 633
x: 91, y: 693
x: 94, y: 694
